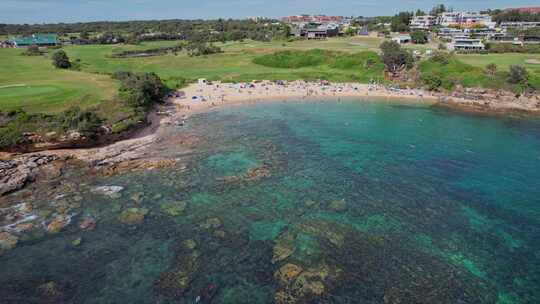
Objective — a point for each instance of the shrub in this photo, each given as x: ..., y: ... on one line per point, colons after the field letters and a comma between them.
x: 201, y: 49
x: 517, y: 75
x: 432, y: 81
x: 10, y: 136
x: 419, y: 37
x: 395, y: 58
x: 61, y: 60
x: 441, y: 57
x: 85, y: 122
x: 491, y: 69
x: 141, y: 90
x: 32, y: 50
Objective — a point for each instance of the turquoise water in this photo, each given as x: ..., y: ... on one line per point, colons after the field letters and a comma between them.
x: 319, y: 202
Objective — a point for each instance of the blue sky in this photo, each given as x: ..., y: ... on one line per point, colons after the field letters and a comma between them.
x: 41, y: 11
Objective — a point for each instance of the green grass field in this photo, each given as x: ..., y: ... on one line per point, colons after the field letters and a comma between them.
x: 504, y: 61
x: 235, y: 64
x: 33, y: 84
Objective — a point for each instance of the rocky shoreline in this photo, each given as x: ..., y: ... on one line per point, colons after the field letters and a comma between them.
x: 131, y: 151
x: 483, y: 101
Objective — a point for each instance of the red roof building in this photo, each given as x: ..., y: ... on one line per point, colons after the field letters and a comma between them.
x: 530, y: 10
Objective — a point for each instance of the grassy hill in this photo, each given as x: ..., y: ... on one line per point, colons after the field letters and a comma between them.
x: 31, y: 83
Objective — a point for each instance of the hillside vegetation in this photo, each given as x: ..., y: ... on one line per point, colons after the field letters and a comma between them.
x: 363, y: 66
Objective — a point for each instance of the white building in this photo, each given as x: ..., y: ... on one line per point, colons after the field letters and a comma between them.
x: 466, y: 19
x: 423, y: 22
x: 450, y: 32
x: 449, y: 18
x: 402, y: 39
x: 469, y: 19
x: 466, y: 44
x: 519, y: 25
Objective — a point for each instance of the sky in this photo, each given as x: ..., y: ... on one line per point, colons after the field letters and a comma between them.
x: 53, y: 11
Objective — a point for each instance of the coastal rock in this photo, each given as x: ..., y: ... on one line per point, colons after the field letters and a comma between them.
x: 284, y: 247
x: 190, y: 244
x: 110, y: 191
x: 76, y: 242
x: 51, y: 292
x: 176, y: 282
x: 338, y: 205
x: 133, y: 216
x: 7, y: 242
x: 88, y: 224
x: 173, y: 208
x: 18, y: 172
x: 287, y: 273
x: 137, y: 197
x: 135, y: 165
x: 310, y: 204
x: 58, y: 223
x: 212, y: 223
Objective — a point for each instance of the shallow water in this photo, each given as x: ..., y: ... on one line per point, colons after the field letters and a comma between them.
x: 356, y: 202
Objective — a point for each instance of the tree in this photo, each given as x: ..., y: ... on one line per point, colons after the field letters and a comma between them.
x: 438, y: 9
x: 419, y: 37
x: 395, y: 58
x: 400, y: 22
x: 518, y: 74
x: 61, y: 60
x: 32, y: 50
x: 420, y: 12
x: 491, y: 69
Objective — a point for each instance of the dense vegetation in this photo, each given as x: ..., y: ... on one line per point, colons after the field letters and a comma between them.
x: 61, y: 60
x: 149, y: 52
x: 501, y: 48
x: 15, y: 124
x: 446, y: 71
x: 365, y: 66
x: 395, y: 58
x: 515, y: 16
x: 139, y: 92
x: 136, y: 31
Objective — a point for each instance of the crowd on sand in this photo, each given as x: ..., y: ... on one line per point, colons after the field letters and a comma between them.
x: 204, y: 94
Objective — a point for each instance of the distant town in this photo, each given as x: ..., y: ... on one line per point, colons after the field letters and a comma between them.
x: 458, y: 30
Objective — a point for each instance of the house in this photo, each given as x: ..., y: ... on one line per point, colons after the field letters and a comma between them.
x: 363, y: 31
x: 526, y: 10
x: 504, y: 38
x: 483, y: 32
x: 531, y: 39
x: 450, y: 32
x: 468, y: 19
x: 466, y: 44
x: 447, y: 19
x: 465, y: 19
x: 519, y: 25
x: 423, y: 22
x: 402, y: 39
x: 316, y: 30
x: 36, y: 39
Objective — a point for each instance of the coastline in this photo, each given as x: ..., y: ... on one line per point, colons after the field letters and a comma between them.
x: 213, y: 96
x: 134, y: 152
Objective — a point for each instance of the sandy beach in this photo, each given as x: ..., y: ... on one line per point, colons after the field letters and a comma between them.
x: 200, y: 97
